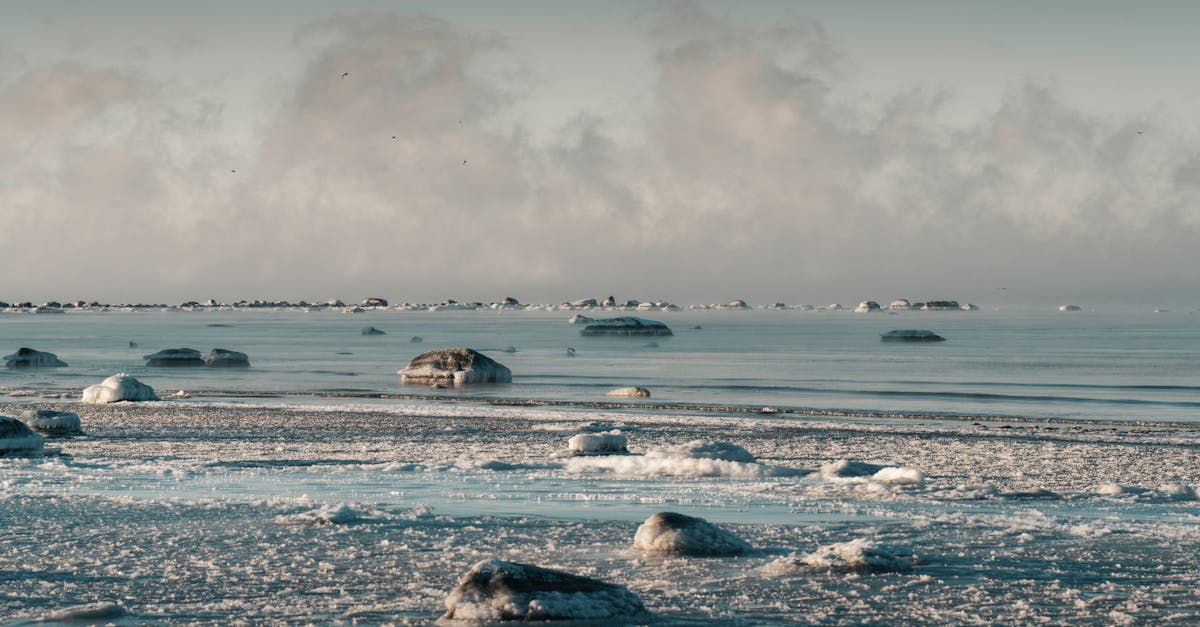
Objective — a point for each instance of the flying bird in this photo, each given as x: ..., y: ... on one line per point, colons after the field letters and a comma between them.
x: 464, y: 162
x: 1140, y: 131
x: 345, y: 74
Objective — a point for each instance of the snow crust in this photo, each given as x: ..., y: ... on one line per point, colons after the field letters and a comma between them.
x: 119, y: 387
x: 856, y: 555
x: 337, y: 514
x: 669, y: 532
x: 494, y: 590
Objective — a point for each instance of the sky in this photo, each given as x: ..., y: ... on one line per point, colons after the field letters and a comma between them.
x: 697, y: 152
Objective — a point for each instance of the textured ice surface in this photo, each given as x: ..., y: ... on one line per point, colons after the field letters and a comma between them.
x: 169, y: 509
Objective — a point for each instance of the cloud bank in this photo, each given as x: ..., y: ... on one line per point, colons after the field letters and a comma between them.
x: 754, y: 172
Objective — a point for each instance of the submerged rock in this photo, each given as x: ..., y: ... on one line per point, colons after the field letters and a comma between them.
x: 494, y: 591
x: 221, y: 358
x: 372, y: 331
x: 119, y: 387
x: 630, y: 392
x: 625, y: 325
x: 52, y: 422
x: 668, y: 532
x: 175, y: 357
x: 18, y: 439
x: 30, y: 358
x: 911, y: 335
x: 456, y: 366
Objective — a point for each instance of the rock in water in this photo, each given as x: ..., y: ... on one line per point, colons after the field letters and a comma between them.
x: 456, y: 366
x: 625, y: 325
x: 119, y: 387
x: 630, y: 392
x: 18, y: 439
x: 30, y: 358
x: 668, y: 532
x: 52, y: 422
x: 911, y: 335
x: 175, y: 357
x: 493, y: 591
x: 221, y: 358
x: 372, y: 331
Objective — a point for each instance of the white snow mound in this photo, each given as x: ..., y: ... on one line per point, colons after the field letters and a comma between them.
x: 704, y: 449
x: 668, y: 532
x: 855, y: 555
x: 606, y: 443
x: 493, y: 591
x: 338, y: 514
x: 119, y: 387
x: 899, y: 476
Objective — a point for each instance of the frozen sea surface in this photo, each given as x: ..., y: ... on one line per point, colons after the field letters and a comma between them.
x: 211, y: 513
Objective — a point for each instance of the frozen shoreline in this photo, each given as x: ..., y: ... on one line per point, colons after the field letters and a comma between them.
x: 1086, y: 514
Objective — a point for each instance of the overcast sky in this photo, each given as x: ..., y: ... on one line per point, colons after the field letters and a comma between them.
x: 695, y: 152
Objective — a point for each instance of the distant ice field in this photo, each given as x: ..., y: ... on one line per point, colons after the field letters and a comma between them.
x: 1132, y: 366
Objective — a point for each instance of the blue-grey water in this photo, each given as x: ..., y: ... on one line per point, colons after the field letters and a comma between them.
x: 1125, y: 366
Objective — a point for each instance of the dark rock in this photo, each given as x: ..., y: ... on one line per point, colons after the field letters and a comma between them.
x: 221, y: 358
x: 175, y: 357
x: 626, y: 325
x: 493, y: 591
x: 455, y: 366
x: 911, y: 335
x: 30, y: 358
x: 372, y: 331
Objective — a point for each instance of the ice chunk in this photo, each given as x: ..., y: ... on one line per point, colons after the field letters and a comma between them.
x: 18, y: 439
x: 668, y: 532
x: 856, y: 555
x: 493, y: 591
x: 606, y: 443
x: 85, y: 613
x: 704, y: 449
x: 119, y: 387
x: 629, y: 392
x: 52, y: 422
x: 899, y: 476
x: 338, y: 514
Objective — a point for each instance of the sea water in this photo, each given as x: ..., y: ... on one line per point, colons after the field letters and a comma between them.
x: 1127, y: 366
x: 1047, y: 465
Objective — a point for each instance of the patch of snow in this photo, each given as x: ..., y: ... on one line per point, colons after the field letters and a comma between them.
x: 855, y: 555
x: 338, y: 514
x: 704, y: 449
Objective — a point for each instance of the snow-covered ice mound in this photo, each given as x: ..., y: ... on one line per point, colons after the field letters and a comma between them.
x: 668, y: 532
x: 119, y: 387
x: 704, y: 449
x: 855, y: 555
x: 629, y: 392
x: 30, y: 358
x: 18, y: 439
x: 52, y: 422
x: 221, y: 358
x: 92, y: 613
x: 607, y: 443
x: 338, y: 514
x: 698, y: 458
x: 493, y: 591
x: 849, y: 468
x: 456, y: 366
